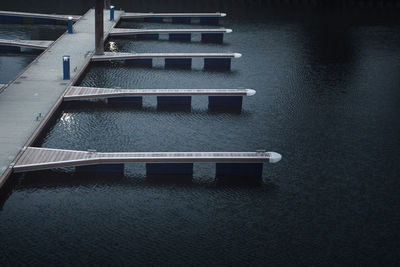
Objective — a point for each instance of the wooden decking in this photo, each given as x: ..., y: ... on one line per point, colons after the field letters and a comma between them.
x: 30, y: 100
x: 122, y: 56
x: 36, y: 44
x: 125, y: 32
x: 35, y: 158
x: 129, y: 15
x: 38, y: 15
x: 78, y: 92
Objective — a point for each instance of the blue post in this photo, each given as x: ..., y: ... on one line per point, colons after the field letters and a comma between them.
x: 111, y: 13
x: 66, y: 67
x: 70, y: 31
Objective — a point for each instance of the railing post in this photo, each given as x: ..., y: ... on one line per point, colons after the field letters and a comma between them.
x: 66, y: 67
x: 111, y: 13
x: 70, y: 31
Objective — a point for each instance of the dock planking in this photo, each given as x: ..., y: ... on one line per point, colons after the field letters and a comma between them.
x: 33, y: 93
x: 35, y: 44
x: 38, y: 15
x: 36, y: 158
x: 28, y: 89
x: 79, y: 92
x: 125, y: 32
x: 130, y: 15
x: 122, y: 56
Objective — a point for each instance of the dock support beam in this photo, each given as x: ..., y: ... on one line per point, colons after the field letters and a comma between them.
x: 8, y: 48
x: 136, y: 100
x: 140, y: 62
x: 169, y: 168
x: 184, y: 63
x: 212, y: 38
x: 154, y: 19
x: 217, y: 63
x: 174, y: 100
x: 209, y: 20
x: 182, y: 20
x: 225, y: 101
x: 149, y: 36
x: 99, y: 27
x: 242, y: 173
x: 183, y: 37
x: 101, y: 168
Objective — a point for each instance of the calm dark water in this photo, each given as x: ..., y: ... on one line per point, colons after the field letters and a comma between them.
x: 327, y: 99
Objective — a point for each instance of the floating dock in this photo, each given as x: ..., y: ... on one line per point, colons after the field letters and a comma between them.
x: 34, y: 44
x: 207, y: 35
x: 212, y: 61
x: 125, y: 32
x: 217, y: 97
x: 131, y: 15
x: 18, y: 17
x: 36, y: 158
x: 79, y: 92
x: 109, y: 56
x: 28, y: 102
x: 204, y: 18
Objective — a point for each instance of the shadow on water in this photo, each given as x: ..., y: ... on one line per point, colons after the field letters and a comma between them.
x: 105, y: 65
x: 133, y: 38
x: 237, y: 180
x: 101, y: 105
x: 169, y: 179
x: 7, y: 189
x: 169, y: 108
x: 65, y: 178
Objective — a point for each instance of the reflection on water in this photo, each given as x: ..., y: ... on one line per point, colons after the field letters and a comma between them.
x: 327, y: 99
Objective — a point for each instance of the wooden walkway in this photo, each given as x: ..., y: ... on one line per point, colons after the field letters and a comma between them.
x: 125, y: 32
x: 77, y: 92
x: 122, y: 56
x: 129, y: 15
x: 29, y: 101
x: 35, y: 44
x: 35, y: 158
x: 38, y: 15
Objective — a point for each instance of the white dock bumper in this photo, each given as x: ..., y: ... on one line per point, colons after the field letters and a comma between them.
x: 250, y: 92
x: 274, y: 157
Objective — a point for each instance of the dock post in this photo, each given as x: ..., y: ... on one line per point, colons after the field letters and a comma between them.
x: 66, y: 67
x: 239, y: 173
x: 70, y: 31
x: 111, y: 13
x: 99, y: 27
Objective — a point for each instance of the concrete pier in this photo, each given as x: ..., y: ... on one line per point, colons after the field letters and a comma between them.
x: 29, y: 101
